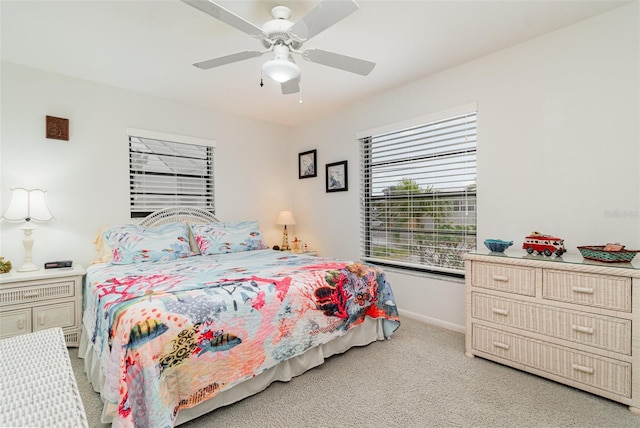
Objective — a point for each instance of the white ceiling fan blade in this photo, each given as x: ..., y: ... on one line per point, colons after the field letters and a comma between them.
x: 228, y: 17
x: 342, y: 62
x: 321, y: 17
x: 291, y: 87
x: 227, y: 59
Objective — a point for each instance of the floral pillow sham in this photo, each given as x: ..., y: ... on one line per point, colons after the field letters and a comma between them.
x: 228, y: 237
x: 136, y: 244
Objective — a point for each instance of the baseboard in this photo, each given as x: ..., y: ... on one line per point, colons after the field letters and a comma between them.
x: 432, y: 321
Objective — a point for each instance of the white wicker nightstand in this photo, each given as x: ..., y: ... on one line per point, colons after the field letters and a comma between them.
x: 567, y: 319
x: 46, y: 298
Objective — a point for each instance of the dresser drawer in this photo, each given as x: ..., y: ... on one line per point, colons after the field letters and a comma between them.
x: 28, y: 294
x: 602, y: 291
x: 512, y: 279
x: 54, y: 315
x: 15, y: 322
x: 609, y: 333
x: 599, y: 372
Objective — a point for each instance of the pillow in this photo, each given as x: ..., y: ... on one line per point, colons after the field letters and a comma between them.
x: 192, y: 242
x: 131, y: 243
x: 105, y: 255
x: 231, y: 237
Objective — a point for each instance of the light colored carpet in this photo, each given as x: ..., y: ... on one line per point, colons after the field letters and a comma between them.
x: 420, y: 378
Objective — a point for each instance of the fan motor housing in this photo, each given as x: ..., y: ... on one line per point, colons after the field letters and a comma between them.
x: 277, y: 29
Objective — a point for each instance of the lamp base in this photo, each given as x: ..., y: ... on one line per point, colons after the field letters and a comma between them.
x: 285, y: 239
x: 28, y: 267
x: 27, y: 241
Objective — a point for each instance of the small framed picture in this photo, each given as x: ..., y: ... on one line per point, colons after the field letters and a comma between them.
x: 57, y: 128
x: 307, y: 164
x: 337, y: 178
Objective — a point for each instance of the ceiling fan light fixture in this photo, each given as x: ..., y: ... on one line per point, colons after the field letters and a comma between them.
x: 281, y: 70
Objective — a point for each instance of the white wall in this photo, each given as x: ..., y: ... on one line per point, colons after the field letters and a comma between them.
x: 86, y: 178
x: 558, y: 149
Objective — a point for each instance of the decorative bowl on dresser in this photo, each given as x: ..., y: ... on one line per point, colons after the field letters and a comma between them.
x: 567, y: 319
x: 602, y: 253
x: 42, y: 299
x: 497, y: 245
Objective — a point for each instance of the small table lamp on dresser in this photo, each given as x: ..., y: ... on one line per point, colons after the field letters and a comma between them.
x: 27, y: 205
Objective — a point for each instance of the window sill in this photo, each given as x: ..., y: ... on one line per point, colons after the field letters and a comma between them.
x: 440, y: 276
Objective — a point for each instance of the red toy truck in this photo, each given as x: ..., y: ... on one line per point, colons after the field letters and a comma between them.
x: 544, y: 244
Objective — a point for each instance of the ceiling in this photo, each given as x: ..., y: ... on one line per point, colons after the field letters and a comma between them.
x: 150, y: 46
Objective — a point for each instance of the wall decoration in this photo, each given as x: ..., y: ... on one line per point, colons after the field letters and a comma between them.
x: 57, y: 128
x: 337, y: 178
x: 307, y: 164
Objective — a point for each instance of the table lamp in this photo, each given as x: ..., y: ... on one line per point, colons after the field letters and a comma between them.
x: 285, y: 218
x: 27, y: 205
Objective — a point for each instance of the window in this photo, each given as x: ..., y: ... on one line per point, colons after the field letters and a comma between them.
x: 167, y: 170
x: 419, y: 194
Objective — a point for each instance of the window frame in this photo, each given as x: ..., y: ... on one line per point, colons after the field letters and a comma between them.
x: 207, y: 176
x: 467, y: 230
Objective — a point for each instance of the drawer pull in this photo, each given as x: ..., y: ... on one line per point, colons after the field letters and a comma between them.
x: 42, y: 319
x: 582, y: 329
x: 29, y: 294
x: 20, y: 324
x: 583, y: 290
x: 501, y: 345
x: 499, y: 311
x: 583, y: 369
x: 500, y: 278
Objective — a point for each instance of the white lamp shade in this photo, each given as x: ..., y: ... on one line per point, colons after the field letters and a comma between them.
x: 281, y: 70
x: 28, y: 205
x: 285, y: 218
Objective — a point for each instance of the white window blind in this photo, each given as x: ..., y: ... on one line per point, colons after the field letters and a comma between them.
x: 167, y: 173
x: 419, y: 195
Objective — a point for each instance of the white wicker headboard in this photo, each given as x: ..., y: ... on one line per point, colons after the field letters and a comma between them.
x: 179, y: 215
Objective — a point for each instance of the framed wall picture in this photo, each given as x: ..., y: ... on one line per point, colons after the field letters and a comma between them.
x: 337, y: 178
x: 307, y: 164
x: 57, y: 128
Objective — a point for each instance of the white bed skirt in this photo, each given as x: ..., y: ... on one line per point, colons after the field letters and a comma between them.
x: 363, y: 334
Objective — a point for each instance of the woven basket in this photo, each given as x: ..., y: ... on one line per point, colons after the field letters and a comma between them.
x: 597, y: 252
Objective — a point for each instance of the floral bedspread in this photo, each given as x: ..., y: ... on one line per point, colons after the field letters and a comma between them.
x: 173, y: 334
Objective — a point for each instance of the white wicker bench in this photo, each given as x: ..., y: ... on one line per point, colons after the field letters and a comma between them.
x: 37, y: 385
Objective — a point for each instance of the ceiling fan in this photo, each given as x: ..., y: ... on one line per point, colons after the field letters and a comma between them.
x: 284, y: 38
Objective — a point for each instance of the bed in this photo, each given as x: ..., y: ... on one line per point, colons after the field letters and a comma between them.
x: 190, y: 314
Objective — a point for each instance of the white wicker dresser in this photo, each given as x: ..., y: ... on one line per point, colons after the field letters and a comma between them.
x: 567, y: 319
x: 37, y: 385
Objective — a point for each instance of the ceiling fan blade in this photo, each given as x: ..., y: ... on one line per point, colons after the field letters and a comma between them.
x: 291, y: 87
x: 227, y: 59
x: 321, y: 17
x: 342, y: 62
x: 226, y: 16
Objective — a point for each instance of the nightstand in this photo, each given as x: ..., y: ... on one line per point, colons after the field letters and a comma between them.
x: 46, y: 298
